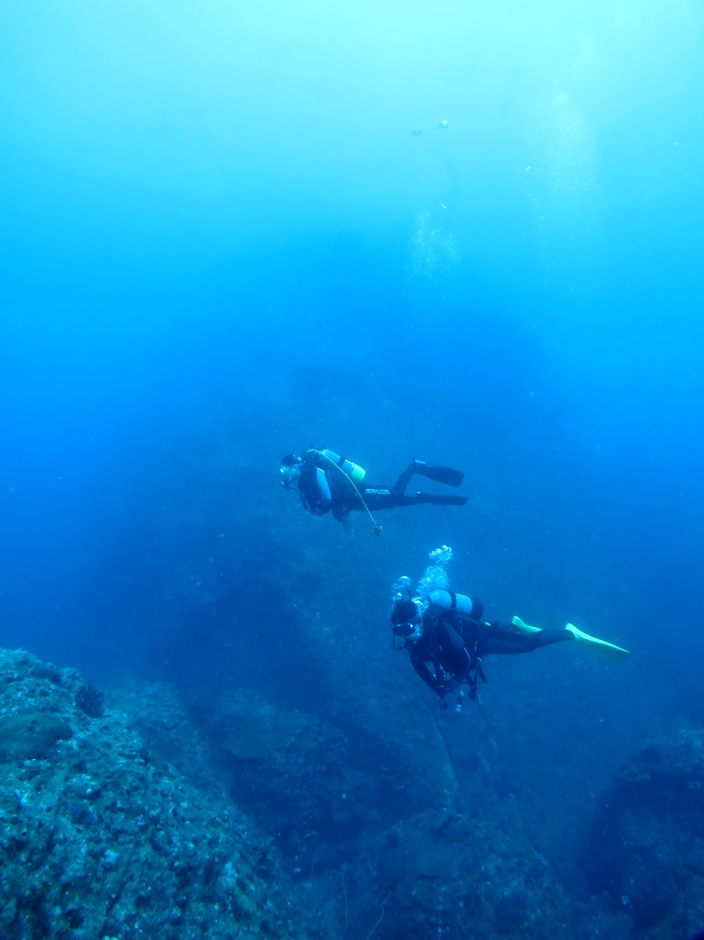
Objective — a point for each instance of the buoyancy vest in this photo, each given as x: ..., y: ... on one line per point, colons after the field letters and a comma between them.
x: 454, y: 613
x: 325, y: 481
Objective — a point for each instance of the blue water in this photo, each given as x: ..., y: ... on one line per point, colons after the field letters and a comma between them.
x: 222, y: 239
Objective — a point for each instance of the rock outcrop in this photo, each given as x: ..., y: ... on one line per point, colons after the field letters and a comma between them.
x: 646, y: 846
x: 101, y: 839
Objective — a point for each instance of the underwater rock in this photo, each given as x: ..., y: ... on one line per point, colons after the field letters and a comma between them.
x: 510, y: 912
x: 97, y: 840
x: 31, y: 736
x: 451, y: 875
x: 257, y: 729
x: 169, y: 731
x: 291, y: 771
x: 646, y: 844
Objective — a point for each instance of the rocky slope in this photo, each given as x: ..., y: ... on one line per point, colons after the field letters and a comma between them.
x: 100, y: 837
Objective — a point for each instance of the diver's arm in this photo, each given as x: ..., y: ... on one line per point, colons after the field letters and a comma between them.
x: 420, y: 666
x: 340, y: 511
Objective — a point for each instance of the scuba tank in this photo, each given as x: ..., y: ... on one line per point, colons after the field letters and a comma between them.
x: 323, y: 487
x: 448, y: 600
x: 351, y: 470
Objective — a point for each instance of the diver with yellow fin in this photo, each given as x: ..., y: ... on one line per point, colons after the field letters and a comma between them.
x: 447, y: 637
x: 328, y: 482
x: 608, y: 650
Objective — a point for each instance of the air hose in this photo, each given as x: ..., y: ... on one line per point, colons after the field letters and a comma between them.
x: 377, y: 527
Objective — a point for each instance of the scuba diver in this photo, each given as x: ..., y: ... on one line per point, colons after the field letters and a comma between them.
x: 325, y: 481
x: 445, y: 631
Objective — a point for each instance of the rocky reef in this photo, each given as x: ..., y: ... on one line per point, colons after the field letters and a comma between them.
x: 447, y: 875
x: 136, y: 813
x: 102, y: 838
x: 646, y: 845
x: 463, y: 870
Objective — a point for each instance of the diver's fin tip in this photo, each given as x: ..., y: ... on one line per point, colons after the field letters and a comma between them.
x: 445, y: 475
x: 616, y: 654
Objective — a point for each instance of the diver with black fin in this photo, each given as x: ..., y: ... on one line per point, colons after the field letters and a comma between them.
x: 447, y: 637
x: 328, y: 482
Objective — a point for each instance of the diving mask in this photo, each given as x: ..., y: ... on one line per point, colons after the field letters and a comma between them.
x: 290, y: 470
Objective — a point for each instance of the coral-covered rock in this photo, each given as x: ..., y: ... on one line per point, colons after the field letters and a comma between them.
x: 98, y: 840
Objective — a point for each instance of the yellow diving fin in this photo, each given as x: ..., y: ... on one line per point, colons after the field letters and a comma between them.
x: 517, y: 622
x: 615, y: 653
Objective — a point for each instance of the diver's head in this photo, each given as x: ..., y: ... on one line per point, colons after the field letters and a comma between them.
x: 290, y: 470
x: 406, y: 621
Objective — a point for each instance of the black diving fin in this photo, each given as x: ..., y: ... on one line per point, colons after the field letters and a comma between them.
x: 439, y: 474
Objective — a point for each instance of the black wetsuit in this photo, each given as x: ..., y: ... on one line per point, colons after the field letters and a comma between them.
x: 344, y: 498
x: 455, y: 645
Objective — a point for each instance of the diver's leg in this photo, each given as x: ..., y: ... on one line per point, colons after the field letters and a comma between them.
x: 378, y: 497
x: 616, y: 654
x: 439, y: 474
x: 386, y: 499
x: 400, y: 485
x: 545, y: 638
x: 436, y: 500
x: 507, y: 640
